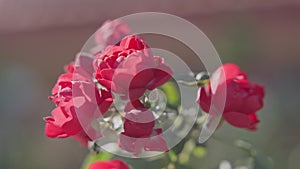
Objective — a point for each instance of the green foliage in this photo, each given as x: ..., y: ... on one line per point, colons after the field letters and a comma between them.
x: 172, y: 93
x: 199, y: 152
x: 172, y: 156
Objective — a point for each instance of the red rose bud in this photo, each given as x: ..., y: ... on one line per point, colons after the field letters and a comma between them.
x: 139, y: 133
x: 243, y: 98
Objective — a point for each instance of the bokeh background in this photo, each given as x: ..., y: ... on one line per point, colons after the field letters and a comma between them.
x: 38, y: 37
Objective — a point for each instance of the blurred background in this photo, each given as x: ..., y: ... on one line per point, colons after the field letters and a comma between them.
x: 38, y: 37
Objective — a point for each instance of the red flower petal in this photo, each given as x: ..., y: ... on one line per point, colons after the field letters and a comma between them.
x: 112, y: 164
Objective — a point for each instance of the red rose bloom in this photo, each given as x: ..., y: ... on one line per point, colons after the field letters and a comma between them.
x: 153, y: 142
x: 111, y: 164
x: 139, y: 123
x: 243, y: 98
x: 139, y: 132
x: 130, y: 69
x: 75, y: 99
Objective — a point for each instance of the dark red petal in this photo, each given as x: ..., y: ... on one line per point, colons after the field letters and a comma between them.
x: 106, y: 83
x: 232, y: 71
x: 53, y: 131
x: 132, y: 42
x: 104, y: 101
x: 156, y: 143
x: 204, y: 98
x: 130, y: 144
x: 162, y: 75
x: 240, y: 120
x: 107, y: 74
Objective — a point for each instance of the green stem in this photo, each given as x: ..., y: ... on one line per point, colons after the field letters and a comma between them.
x: 195, y: 83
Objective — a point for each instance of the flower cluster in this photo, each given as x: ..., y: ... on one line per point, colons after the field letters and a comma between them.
x: 124, y: 66
x: 128, y: 69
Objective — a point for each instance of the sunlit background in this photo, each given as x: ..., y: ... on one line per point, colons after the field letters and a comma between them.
x: 38, y: 37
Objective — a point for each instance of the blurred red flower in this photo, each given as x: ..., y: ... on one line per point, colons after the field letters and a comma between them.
x: 111, y: 164
x: 111, y: 32
x: 139, y: 133
x: 243, y: 98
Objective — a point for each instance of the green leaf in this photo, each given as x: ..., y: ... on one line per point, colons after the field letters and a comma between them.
x: 199, y: 152
x: 172, y: 156
x: 90, y: 158
x: 172, y: 93
x: 184, y: 156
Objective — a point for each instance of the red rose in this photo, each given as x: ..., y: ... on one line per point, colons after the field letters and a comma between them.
x: 76, y: 97
x: 243, y: 98
x: 153, y: 142
x: 130, y: 69
x: 139, y: 132
x: 111, y: 164
x: 139, y: 123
